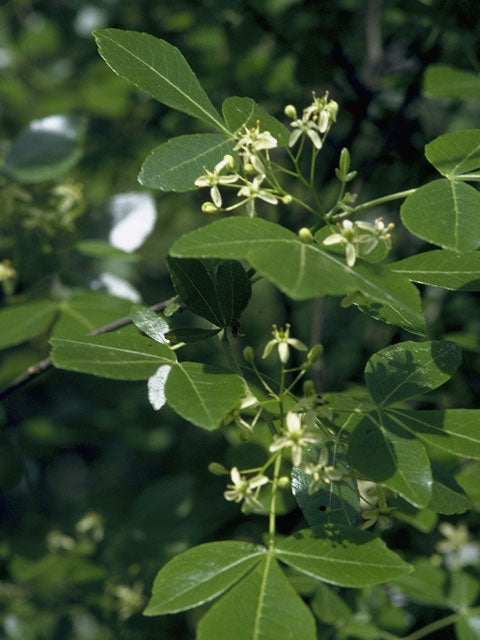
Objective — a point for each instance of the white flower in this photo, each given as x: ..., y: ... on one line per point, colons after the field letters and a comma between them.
x: 242, y: 489
x: 321, y: 472
x: 296, y: 436
x: 213, y: 178
x: 308, y: 128
x: 255, y: 140
x: 252, y: 190
x: 281, y: 338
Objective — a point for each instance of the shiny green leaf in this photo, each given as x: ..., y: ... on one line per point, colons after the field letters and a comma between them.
x: 410, y: 368
x: 441, y: 268
x: 21, y: 322
x: 216, y: 290
x: 176, y: 164
x: 150, y: 323
x: 123, y: 355
x: 305, y: 271
x: 386, y: 453
x: 444, y: 212
x: 448, y: 497
x: 87, y: 312
x: 201, y: 574
x: 158, y: 68
x: 203, y: 394
x: 263, y: 606
x: 455, y: 153
x: 454, y: 430
x: 341, y: 555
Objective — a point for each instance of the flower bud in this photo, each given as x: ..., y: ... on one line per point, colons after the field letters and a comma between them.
x: 249, y: 354
x: 305, y: 235
x: 217, y: 469
x: 229, y: 162
x: 209, y: 207
x: 315, y: 353
x: 249, y: 169
x: 308, y: 388
x: 283, y: 482
x: 287, y: 199
x: 344, y: 162
x: 290, y: 111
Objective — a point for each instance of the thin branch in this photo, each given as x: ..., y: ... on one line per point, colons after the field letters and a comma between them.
x: 43, y: 365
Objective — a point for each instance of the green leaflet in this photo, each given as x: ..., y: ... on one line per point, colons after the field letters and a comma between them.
x: 46, y: 148
x: 263, y: 606
x: 217, y: 291
x: 150, y: 323
x: 123, y: 355
x: 203, y: 394
x: 341, y: 555
x: 444, y: 212
x: 305, y: 271
x: 245, y: 112
x: 455, y: 154
x: 176, y: 164
x: 21, y: 322
x: 388, y: 454
x: 88, y: 311
x: 442, y: 268
x: 448, y: 496
x: 158, y: 68
x: 201, y: 574
x: 454, y: 430
x: 442, y: 80
x: 410, y: 368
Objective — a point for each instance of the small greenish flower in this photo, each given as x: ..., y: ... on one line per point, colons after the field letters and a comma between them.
x: 252, y: 190
x: 379, y: 514
x: 296, y: 436
x: 308, y: 128
x: 253, y: 140
x: 282, y: 339
x: 214, y: 178
x: 242, y: 489
x: 321, y: 472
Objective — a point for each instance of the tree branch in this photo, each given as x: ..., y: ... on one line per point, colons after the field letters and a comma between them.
x: 43, y: 365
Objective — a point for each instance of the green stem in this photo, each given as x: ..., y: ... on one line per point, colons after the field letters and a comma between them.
x: 374, y: 203
x: 434, y: 626
x: 271, y: 515
x: 227, y: 343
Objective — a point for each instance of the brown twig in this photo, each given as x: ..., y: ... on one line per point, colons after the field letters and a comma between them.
x: 43, y: 365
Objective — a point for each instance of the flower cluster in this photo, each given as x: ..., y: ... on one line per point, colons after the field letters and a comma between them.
x: 316, y: 120
x: 251, y: 144
x: 352, y: 235
x: 242, y: 490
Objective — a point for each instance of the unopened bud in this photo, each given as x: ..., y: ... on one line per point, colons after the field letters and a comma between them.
x: 315, y: 353
x: 229, y: 161
x: 283, y: 482
x: 217, y: 469
x: 308, y: 388
x: 249, y: 354
x: 249, y: 168
x: 209, y: 207
x: 290, y: 111
x: 287, y: 199
x: 344, y: 162
x: 305, y: 235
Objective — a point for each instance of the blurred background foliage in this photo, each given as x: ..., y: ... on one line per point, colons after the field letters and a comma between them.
x: 98, y: 489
